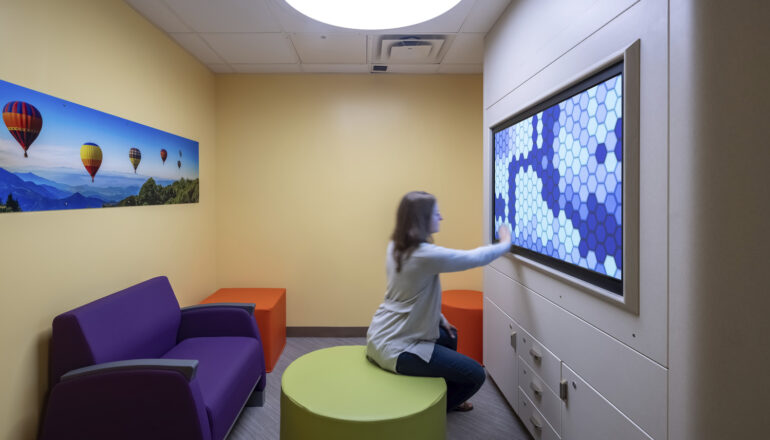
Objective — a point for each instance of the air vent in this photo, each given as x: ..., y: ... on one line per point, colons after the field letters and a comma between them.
x: 379, y: 68
x: 408, y: 49
x: 411, y: 49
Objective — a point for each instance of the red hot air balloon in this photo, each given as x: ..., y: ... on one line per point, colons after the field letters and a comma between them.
x: 163, y: 155
x: 23, y: 121
x: 179, y: 164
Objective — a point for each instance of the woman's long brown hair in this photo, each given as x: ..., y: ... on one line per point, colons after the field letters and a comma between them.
x: 413, y: 220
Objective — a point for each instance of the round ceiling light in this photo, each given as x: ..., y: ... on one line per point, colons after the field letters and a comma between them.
x: 372, y: 14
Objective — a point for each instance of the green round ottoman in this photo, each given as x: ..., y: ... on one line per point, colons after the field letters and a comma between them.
x: 336, y: 393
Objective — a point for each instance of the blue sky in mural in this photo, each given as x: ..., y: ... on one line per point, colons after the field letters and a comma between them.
x: 55, y: 154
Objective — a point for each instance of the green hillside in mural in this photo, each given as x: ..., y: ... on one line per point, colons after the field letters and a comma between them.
x: 181, y: 191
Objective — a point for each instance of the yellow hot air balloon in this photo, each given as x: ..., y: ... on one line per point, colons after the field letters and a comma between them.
x: 135, y: 156
x: 91, y: 155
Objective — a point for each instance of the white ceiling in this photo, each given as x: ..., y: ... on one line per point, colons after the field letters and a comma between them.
x: 268, y: 36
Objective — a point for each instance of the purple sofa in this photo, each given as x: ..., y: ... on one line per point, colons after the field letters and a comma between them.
x: 132, y: 365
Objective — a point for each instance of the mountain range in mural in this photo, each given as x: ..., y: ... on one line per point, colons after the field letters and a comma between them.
x: 35, y: 193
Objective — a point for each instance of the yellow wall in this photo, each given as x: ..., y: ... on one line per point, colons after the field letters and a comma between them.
x: 311, y: 169
x: 103, y: 55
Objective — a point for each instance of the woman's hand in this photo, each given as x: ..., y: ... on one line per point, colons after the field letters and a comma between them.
x: 504, y: 232
x: 452, y: 330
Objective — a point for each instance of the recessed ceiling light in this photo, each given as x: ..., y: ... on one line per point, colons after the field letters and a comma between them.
x: 372, y: 14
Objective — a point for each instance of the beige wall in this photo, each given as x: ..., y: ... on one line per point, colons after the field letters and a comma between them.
x: 310, y: 171
x: 718, y: 345
x: 103, y: 55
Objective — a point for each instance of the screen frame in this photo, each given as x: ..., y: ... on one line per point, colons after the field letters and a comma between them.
x: 623, y: 293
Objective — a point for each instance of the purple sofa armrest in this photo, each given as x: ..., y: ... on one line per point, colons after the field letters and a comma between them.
x: 223, y: 319
x: 107, y: 402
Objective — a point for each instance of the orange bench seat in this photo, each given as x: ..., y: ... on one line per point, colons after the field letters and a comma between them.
x: 465, y: 310
x: 270, y: 314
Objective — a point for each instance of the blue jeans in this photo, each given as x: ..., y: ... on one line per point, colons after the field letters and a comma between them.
x: 464, y: 376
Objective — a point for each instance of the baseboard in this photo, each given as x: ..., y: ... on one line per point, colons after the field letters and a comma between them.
x: 326, y: 332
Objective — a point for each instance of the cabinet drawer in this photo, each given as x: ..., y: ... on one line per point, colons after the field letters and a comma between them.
x: 541, y: 360
x: 544, y: 398
x: 536, y: 424
x: 499, y: 354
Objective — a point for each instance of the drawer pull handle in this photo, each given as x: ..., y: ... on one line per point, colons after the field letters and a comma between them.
x: 536, y: 388
x: 535, y: 354
x: 536, y: 423
x: 513, y: 340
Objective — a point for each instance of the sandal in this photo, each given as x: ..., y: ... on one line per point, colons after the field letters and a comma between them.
x: 463, y: 407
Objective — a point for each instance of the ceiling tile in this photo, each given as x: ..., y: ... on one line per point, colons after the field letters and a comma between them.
x: 269, y: 36
x: 225, y: 15
x: 220, y: 68
x: 330, y: 48
x: 267, y: 68
x: 460, y: 68
x: 335, y: 68
x: 248, y: 48
x: 483, y: 15
x: 159, y: 15
x: 196, y: 46
x: 466, y: 49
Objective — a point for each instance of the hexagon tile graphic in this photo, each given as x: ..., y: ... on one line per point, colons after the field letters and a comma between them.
x: 558, y: 179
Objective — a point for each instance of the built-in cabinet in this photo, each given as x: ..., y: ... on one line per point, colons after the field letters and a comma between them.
x: 584, y: 364
x: 549, y: 397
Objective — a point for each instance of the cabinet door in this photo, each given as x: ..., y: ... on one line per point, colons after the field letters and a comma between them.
x: 588, y: 415
x: 499, y: 352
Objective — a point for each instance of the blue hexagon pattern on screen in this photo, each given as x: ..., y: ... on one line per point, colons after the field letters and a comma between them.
x: 558, y: 180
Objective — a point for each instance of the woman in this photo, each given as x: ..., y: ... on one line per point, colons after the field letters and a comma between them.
x: 408, y: 334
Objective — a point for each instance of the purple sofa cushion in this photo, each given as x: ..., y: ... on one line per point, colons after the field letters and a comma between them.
x: 228, y: 368
x: 139, y: 322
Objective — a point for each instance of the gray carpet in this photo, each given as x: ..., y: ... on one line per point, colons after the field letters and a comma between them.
x: 491, y: 419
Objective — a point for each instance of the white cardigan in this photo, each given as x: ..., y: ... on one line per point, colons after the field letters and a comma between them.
x: 408, y: 319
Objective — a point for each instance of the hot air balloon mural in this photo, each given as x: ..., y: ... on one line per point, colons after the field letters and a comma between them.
x: 135, y: 156
x: 23, y: 121
x: 91, y: 155
x: 49, y: 176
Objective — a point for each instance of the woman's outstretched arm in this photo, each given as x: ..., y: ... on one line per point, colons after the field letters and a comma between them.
x: 437, y: 259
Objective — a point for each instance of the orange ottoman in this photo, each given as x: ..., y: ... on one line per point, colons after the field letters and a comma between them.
x: 270, y: 314
x: 465, y: 310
